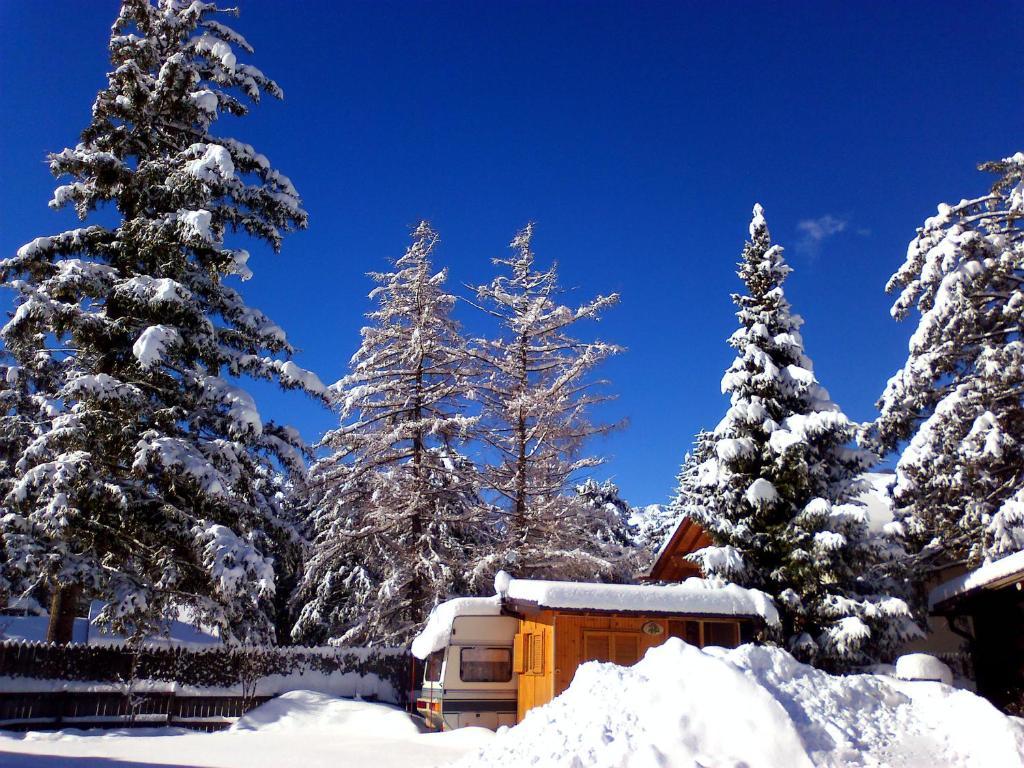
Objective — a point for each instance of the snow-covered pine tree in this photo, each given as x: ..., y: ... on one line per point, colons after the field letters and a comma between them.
x: 959, y: 398
x: 776, y: 494
x: 393, y: 511
x: 535, y: 390
x: 154, y: 484
x: 613, y: 526
x: 22, y: 419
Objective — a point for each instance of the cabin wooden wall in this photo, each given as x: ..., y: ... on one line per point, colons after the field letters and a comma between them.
x: 570, y: 641
x: 551, y: 645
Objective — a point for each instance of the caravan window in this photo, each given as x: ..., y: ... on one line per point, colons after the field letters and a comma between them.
x: 479, y: 664
x: 433, y: 672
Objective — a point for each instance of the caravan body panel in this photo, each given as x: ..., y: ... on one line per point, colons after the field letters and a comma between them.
x: 470, y: 681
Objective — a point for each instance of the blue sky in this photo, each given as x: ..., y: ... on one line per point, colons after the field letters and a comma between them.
x: 636, y: 135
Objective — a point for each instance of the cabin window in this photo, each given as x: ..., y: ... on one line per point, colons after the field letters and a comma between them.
x: 723, y: 633
x: 700, y: 633
x: 622, y: 648
x: 685, y: 630
x: 433, y: 671
x: 479, y: 664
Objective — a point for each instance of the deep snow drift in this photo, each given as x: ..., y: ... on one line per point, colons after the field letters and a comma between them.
x: 302, y: 729
x: 683, y: 707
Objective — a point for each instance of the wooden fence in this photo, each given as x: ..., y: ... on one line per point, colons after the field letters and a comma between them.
x: 46, y: 686
x: 50, y: 710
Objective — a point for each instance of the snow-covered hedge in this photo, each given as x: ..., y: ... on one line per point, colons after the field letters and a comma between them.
x: 381, y: 673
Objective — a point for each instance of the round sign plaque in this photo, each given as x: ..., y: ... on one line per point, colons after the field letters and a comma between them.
x: 652, y: 628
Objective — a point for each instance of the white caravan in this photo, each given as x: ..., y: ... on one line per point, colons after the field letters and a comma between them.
x: 470, y: 681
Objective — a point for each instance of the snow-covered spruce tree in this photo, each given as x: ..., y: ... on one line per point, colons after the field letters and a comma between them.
x: 393, y: 512
x: 535, y: 390
x: 155, y: 484
x: 613, y: 524
x: 959, y: 398
x: 775, y: 495
x: 23, y: 416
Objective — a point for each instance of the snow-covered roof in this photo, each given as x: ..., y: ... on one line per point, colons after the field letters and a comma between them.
x: 693, y: 596
x: 438, y: 631
x: 1010, y: 568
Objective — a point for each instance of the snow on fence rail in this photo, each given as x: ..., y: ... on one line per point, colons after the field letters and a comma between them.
x: 47, y: 678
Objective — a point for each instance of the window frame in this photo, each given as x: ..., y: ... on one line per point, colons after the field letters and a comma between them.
x: 437, y: 657
x: 502, y: 648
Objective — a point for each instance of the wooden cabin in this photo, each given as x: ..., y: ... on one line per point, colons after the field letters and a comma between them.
x: 480, y: 663
x: 986, y: 607
x: 553, y: 640
x: 671, y: 563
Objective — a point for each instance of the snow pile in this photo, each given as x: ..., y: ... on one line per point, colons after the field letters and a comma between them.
x: 299, y: 710
x: 923, y: 666
x: 755, y: 707
x: 301, y: 728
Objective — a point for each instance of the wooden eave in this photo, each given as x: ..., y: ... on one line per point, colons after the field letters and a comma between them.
x: 954, y: 604
x: 671, y: 564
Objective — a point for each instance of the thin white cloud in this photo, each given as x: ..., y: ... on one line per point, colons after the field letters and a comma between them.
x: 815, y: 231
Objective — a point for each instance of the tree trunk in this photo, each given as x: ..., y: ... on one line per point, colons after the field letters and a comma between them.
x: 415, y: 587
x: 63, y: 608
x: 519, y: 516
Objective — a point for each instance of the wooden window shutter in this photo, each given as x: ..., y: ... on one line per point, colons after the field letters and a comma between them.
x: 519, y: 653
x: 537, y: 654
x: 627, y: 649
x: 597, y: 646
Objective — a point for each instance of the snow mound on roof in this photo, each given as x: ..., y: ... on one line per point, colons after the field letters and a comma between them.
x: 438, y: 631
x: 681, y: 706
x: 697, y: 596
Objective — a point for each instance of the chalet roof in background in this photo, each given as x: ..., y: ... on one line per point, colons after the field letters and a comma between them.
x: 670, y: 563
x: 995, y: 575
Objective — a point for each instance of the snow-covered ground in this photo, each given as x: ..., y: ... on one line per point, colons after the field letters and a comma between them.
x: 302, y: 728
x: 679, y: 707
